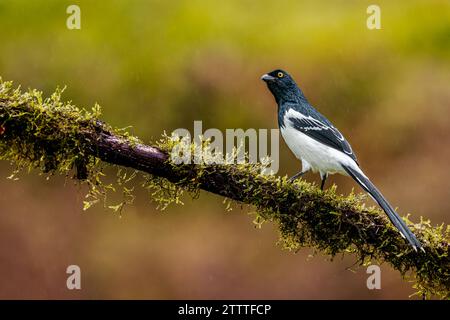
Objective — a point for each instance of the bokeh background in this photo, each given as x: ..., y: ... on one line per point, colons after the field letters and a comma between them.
x: 160, y: 65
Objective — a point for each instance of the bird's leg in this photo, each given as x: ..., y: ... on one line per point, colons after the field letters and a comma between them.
x: 324, y: 178
x: 296, y: 176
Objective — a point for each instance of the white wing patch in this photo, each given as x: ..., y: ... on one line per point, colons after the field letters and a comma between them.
x: 304, y: 123
x: 314, y: 124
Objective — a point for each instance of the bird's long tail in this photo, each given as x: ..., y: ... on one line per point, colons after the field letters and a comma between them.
x: 398, y: 222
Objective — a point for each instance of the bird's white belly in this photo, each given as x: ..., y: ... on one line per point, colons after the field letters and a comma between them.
x: 320, y: 157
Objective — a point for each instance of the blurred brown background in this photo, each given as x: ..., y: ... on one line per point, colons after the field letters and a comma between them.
x: 159, y: 66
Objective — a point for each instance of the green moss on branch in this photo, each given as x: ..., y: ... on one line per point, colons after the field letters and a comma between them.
x: 55, y: 136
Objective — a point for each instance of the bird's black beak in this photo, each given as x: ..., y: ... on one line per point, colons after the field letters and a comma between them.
x: 267, y: 78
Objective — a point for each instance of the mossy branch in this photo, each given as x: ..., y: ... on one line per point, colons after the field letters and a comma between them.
x: 55, y: 136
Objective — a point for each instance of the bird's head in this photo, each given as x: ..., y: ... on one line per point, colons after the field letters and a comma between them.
x: 282, y: 86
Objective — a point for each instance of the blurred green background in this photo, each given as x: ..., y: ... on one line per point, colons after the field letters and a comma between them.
x: 160, y: 65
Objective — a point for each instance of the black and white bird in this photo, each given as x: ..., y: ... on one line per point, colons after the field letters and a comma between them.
x: 320, y: 146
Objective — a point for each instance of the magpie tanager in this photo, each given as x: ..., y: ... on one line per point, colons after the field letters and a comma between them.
x: 320, y: 146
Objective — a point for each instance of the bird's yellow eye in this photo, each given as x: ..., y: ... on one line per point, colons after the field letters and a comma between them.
x: 280, y: 74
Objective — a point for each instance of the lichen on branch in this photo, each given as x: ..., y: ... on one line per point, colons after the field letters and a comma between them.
x: 57, y: 137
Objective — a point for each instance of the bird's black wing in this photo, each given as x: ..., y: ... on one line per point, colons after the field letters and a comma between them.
x: 323, y: 133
